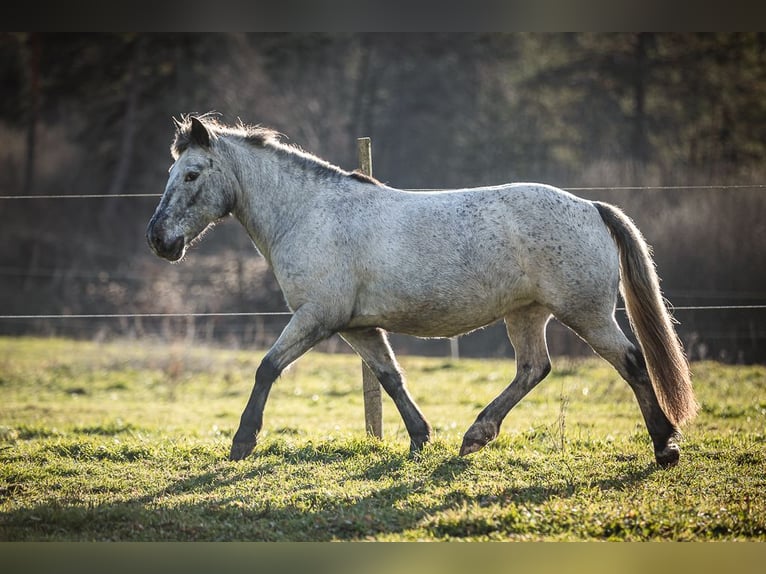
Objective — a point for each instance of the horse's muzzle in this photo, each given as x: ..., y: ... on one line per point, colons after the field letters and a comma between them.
x: 170, y: 248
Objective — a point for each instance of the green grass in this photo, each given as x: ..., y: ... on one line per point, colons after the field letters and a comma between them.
x: 128, y: 441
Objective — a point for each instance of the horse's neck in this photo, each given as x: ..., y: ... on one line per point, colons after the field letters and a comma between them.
x: 272, y: 193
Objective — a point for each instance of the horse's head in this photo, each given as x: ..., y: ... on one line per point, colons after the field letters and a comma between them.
x: 199, y: 192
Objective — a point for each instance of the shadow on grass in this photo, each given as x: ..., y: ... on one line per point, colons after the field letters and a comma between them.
x: 232, y: 501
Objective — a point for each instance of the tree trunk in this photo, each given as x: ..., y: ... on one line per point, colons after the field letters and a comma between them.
x: 127, y: 144
x: 31, y: 49
x: 640, y: 142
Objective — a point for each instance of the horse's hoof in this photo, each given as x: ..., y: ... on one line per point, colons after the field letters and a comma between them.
x: 468, y: 447
x: 417, y: 443
x: 477, y: 437
x: 668, y: 456
x: 240, y: 450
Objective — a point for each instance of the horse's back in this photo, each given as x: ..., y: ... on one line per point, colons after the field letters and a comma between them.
x: 524, y: 228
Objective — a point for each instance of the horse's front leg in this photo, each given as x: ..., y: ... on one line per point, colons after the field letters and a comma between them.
x: 304, y: 330
x: 372, y: 345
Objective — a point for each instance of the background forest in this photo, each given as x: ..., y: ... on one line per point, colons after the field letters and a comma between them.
x: 619, y: 114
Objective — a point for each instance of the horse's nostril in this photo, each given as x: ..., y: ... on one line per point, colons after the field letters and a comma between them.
x: 175, y: 248
x: 154, y: 238
x: 166, y: 247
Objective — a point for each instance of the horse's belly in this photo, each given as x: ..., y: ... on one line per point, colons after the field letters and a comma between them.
x: 437, y: 317
x: 419, y: 326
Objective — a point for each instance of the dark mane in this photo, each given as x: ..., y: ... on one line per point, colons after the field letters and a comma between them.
x: 254, y: 135
x: 364, y: 178
x: 258, y: 136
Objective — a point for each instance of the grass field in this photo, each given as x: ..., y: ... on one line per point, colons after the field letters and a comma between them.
x: 128, y: 441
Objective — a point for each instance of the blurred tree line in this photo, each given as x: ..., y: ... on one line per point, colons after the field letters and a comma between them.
x: 91, y: 114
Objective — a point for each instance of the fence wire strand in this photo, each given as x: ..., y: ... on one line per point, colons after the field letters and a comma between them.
x: 146, y: 315
x: 83, y: 196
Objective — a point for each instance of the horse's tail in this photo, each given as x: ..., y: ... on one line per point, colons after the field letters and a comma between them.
x: 650, y: 320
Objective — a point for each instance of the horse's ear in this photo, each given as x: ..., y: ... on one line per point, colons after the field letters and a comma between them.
x: 199, y: 133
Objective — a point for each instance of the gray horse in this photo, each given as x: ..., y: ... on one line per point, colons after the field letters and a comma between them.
x: 356, y: 257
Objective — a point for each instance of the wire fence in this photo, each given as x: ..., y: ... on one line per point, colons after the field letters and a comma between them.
x: 18, y: 271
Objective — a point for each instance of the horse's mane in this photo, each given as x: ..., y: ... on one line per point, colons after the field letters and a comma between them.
x: 257, y: 136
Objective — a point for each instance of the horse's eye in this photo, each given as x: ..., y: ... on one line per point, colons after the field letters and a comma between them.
x: 191, y: 176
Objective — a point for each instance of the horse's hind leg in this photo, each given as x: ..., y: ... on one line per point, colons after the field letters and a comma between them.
x: 608, y: 340
x: 372, y: 345
x: 526, y: 330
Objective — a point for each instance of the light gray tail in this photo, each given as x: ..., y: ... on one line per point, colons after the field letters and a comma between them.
x: 650, y: 320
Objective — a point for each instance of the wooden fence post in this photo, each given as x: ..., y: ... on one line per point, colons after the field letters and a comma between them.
x: 373, y: 408
x: 454, y: 348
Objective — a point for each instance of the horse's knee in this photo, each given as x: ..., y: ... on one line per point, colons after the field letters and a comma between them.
x: 267, y: 372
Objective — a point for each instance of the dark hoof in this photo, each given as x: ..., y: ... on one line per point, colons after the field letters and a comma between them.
x: 477, y: 437
x: 668, y: 456
x: 417, y: 444
x: 469, y: 447
x: 240, y: 450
